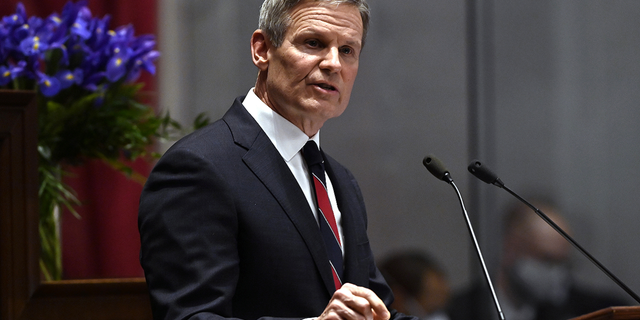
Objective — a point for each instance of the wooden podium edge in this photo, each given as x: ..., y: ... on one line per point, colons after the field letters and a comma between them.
x: 101, y: 299
x: 625, y: 313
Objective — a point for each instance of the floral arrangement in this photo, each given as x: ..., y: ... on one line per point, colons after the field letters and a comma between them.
x: 84, y: 75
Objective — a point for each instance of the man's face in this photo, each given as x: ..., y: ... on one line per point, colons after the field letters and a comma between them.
x: 311, y: 75
x: 544, y: 243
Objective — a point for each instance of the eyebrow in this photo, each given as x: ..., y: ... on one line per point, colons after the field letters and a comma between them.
x: 357, y: 44
x: 320, y: 33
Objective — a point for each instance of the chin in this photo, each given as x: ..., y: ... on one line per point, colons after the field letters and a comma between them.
x: 330, y: 112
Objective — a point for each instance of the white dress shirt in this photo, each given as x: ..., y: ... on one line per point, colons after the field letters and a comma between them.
x: 289, y: 140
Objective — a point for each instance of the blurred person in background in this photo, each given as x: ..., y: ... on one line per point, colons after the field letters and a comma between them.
x: 535, y: 279
x: 419, y: 284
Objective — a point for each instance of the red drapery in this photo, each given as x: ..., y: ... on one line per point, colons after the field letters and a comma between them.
x: 104, y: 243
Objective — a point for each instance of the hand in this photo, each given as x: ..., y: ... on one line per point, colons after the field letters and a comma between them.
x: 355, y: 303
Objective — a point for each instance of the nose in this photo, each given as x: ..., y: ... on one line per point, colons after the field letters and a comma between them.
x: 331, y: 60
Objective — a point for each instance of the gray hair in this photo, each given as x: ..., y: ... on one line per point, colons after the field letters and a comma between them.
x: 274, y: 17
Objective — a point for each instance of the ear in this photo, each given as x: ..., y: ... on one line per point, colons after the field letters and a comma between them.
x: 260, y: 49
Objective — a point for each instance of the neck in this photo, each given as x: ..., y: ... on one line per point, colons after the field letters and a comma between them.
x: 306, y: 125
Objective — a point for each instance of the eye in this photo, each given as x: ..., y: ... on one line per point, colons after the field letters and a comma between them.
x: 313, y: 43
x: 346, y: 50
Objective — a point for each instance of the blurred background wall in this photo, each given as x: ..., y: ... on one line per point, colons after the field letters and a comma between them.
x: 546, y: 93
x: 560, y: 110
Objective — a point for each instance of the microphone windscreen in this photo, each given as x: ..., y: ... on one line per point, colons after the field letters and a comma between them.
x: 482, y: 172
x: 435, y: 166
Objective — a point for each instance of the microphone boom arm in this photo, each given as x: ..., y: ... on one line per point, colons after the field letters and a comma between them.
x: 477, y: 169
x: 575, y: 244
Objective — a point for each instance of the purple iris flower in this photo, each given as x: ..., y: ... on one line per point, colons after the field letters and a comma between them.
x: 18, y: 18
x: 70, y: 12
x: 33, y: 46
x: 75, y: 47
x: 20, y: 70
x: 5, y: 75
x: 67, y: 78
x: 117, y: 66
x: 58, y: 41
x: 21, y: 32
x: 36, y: 24
x: 54, y: 20
x: 146, y: 62
x: 80, y: 27
x: 15, y: 28
x: 49, y: 86
x: 123, y: 34
x: 100, y: 29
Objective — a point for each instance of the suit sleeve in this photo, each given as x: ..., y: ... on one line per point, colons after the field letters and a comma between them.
x: 188, y: 234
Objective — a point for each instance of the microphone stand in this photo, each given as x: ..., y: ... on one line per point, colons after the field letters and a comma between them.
x: 438, y: 170
x: 476, y: 245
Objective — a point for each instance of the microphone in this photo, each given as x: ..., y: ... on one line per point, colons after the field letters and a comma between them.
x: 437, y: 168
x: 483, y: 173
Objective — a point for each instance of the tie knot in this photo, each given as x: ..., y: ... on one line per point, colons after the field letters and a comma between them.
x: 311, y: 153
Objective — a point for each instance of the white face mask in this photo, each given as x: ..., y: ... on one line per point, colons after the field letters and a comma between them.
x: 540, y: 281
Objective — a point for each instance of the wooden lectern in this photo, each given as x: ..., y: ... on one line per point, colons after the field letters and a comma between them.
x: 23, y: 295
x: 627, y: 313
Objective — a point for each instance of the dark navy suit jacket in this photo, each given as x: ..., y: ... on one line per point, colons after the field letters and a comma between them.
x: 226, y: 231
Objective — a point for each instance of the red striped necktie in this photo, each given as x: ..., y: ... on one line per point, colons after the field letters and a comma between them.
x: 327, y: 221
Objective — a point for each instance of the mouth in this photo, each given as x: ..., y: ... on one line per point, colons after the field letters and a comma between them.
x: 326, y: 86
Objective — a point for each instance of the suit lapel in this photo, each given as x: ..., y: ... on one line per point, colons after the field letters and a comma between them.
x: 265, y: 162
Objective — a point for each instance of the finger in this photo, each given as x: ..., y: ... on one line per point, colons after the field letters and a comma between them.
x: 371, y: 307
x: 349, y: 306
x: 338, y: 310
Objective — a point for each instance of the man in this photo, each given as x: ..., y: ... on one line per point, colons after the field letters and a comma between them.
x: 534, y: 281
x: 419, y: 284
x: 228, y: 218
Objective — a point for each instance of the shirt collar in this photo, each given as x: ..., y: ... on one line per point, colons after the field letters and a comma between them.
x: 285, y: 136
